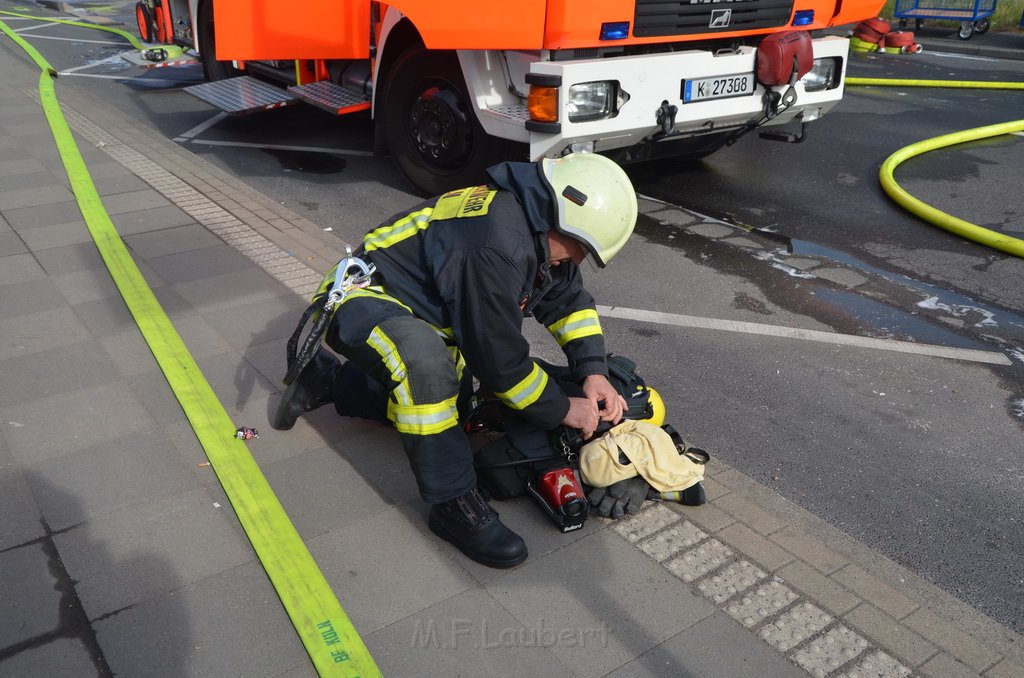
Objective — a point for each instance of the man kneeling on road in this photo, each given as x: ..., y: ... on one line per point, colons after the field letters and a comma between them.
x: 453, y: 280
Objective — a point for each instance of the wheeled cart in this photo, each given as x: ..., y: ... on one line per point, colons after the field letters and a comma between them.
x: 972, y: 14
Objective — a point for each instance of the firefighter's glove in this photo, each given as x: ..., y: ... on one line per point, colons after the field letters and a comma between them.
x: 622, y: 498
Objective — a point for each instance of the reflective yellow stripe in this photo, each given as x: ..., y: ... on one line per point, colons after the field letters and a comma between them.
x: 527, y: 391
x: 424, y: 420
x: 460, y: 362
x: 576, y: 325
x: 374, y: 292
x: 388, y: 352
x: 377, y: 292
x: 406, y: 227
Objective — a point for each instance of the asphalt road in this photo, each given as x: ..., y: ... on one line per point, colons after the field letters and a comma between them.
x: 917, y: 456
x: 824, y: 192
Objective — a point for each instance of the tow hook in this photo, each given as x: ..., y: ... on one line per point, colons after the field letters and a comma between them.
x: 666, y: 117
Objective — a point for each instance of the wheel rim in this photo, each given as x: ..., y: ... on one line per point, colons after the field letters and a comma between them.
x: 161, y: 24
x: 439, y: 128
x: 145, y: 24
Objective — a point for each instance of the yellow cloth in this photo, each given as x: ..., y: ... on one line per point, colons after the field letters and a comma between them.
x: 651, y: 453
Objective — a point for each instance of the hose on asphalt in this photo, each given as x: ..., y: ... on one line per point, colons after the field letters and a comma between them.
x: 948, y: 222
x: 82, y: 24
x: 948, y: 84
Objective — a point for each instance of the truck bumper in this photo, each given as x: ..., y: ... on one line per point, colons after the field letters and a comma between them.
x: 652, y: 80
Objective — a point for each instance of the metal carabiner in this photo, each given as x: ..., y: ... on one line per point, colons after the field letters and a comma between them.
x: 351, y: 272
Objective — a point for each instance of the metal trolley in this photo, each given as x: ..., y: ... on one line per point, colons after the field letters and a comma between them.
x: 972, y: 14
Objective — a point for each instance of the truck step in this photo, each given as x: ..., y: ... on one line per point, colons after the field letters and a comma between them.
x: 331, y: 97
x: 517, y: 112
x: 241, y: 95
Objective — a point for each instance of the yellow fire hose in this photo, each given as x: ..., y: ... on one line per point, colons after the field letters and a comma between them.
x: 964, y: 229
x: 949, y: 84
x: 109, y: 29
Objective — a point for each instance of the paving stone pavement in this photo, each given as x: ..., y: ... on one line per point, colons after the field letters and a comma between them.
x: 119, y: 553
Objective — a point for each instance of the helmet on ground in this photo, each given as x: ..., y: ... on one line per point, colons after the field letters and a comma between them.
x: 657, y: 407
x: 595, y: 200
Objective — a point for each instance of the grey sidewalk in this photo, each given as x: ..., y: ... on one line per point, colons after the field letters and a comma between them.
x: 119, y: 553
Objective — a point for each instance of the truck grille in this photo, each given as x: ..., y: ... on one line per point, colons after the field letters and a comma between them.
x: 685, y: 17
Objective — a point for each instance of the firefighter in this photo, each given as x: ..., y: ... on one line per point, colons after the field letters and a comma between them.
x: 454, y: 277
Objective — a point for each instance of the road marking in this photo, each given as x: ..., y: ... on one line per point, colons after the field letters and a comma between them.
x: 950, y: 55
x: 32, y: 28
x: 102, y: 62
x: 973, y: 355
x: 153, y: 81
x: 201, y: 127
x: 53, y: 37
x: 276, y: 147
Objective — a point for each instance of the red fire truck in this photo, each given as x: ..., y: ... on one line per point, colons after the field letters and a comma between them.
x: 454, y: 85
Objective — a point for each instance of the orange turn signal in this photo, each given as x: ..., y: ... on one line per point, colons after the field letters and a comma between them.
x: 543, y: 103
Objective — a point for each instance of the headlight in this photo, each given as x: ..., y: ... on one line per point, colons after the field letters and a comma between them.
x: 823, y: 75
x: 591, y: 100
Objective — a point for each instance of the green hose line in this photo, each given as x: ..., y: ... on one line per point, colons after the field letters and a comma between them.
x: 948, y: 222
x: 109, y: 29
x: 950, y: 84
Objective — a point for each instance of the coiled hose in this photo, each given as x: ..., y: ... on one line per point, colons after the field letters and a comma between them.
x: 965, y: 229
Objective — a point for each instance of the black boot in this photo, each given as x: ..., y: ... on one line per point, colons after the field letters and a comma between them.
x: 312, y: 388
x: 472, y: 526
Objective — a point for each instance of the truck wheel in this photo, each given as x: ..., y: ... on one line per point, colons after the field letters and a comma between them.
x: 430, y: 126
x: 212, y: 69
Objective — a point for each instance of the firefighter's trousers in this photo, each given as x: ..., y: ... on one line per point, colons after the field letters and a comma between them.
x: 424, y: 379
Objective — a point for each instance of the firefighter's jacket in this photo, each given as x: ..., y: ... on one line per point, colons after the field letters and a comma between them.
x: 473, y: 264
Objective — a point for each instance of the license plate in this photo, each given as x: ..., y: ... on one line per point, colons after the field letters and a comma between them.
x: 718, y: 87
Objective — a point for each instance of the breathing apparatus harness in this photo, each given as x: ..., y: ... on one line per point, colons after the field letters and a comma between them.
x: 350, y: 273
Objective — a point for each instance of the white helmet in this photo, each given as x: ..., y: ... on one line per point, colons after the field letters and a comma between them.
x: 595, y: 200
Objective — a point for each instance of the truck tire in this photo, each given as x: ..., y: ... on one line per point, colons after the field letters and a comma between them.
x: 212, y: 69
x: 430, y: 126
